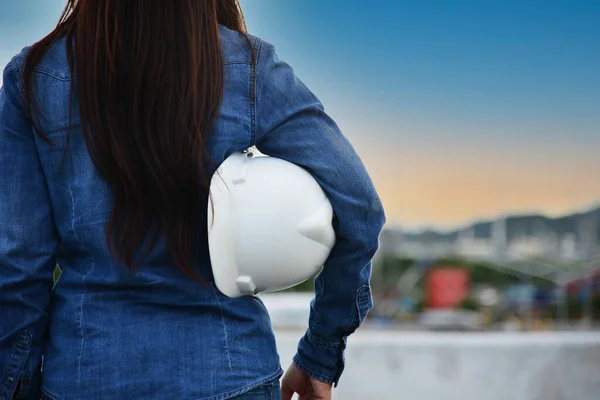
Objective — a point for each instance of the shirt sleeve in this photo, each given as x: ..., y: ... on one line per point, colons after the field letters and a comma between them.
x: 291, y: 124
x: 28, y: 246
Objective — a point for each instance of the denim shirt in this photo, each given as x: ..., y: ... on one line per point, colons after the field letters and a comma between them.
x: 105, y: 333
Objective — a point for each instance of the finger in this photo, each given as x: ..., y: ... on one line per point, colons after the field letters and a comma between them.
x: 322, y: 391
x: 307, y: 394
x: 325, y: 396
x: 286, y: 391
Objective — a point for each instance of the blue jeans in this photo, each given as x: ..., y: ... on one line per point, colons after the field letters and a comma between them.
x: 268, y: 391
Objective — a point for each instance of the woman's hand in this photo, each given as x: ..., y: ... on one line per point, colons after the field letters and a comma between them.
x: 307, y: 387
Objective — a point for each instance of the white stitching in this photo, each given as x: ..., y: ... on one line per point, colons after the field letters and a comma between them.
x: 80, y: 323
x: 224, y: 329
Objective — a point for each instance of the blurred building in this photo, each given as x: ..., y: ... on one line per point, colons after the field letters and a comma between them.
x: 570, y: 239
x: 587, y: 231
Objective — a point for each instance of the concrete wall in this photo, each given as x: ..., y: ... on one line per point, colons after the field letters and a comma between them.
x: 466, y: 366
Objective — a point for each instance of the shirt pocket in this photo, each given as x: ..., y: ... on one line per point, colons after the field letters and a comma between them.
x: 364, y: 303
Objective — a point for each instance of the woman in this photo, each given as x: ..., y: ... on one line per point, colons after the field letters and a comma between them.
x: 110, y: 129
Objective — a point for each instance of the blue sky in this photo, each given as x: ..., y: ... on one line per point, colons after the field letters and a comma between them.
x: 477, y: 59
x: 460, y: 109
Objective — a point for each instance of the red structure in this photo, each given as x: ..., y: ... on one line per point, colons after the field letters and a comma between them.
x: 446, y: 286
x: 592, y: 282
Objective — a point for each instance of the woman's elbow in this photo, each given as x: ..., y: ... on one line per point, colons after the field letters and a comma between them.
x: 370, y: 223
x: 377, y: 217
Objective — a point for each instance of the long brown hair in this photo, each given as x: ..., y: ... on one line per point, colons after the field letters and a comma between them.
x: 149, y: 83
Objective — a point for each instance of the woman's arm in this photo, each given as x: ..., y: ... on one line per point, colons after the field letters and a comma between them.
x: 28, y: 246
x: 290, y: 123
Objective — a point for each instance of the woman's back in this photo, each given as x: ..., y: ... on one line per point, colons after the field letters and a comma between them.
x: 156, y: 334
x: 105, y: 332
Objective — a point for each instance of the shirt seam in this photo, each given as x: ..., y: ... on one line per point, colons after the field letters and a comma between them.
x: 14, y: 108
x: 83, y: 295
x: 8, y: 369
x: 55, y: 76
x: 13, y: 366
x: 70, y: 78
x: 221, y: 396
x: 17, y: 76
x: 238, y: 392
x: 318, y: 341
x: 226, y: 336
x: 253, y: 96
x: 311, y: 372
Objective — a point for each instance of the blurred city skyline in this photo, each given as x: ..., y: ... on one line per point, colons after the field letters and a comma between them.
x: 461, y: 110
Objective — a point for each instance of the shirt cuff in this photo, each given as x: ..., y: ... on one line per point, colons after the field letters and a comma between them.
x: 320, y: 358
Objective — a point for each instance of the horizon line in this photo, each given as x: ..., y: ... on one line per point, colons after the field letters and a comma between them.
x: 395, y: 225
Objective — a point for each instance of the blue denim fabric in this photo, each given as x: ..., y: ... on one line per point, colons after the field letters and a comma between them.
x: 105, y: 333
x: 269, y: 391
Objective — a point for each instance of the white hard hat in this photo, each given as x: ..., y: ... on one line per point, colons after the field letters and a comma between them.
x: 269, y: 225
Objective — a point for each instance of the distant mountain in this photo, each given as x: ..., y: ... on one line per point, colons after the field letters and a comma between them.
x: 516, y: 226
